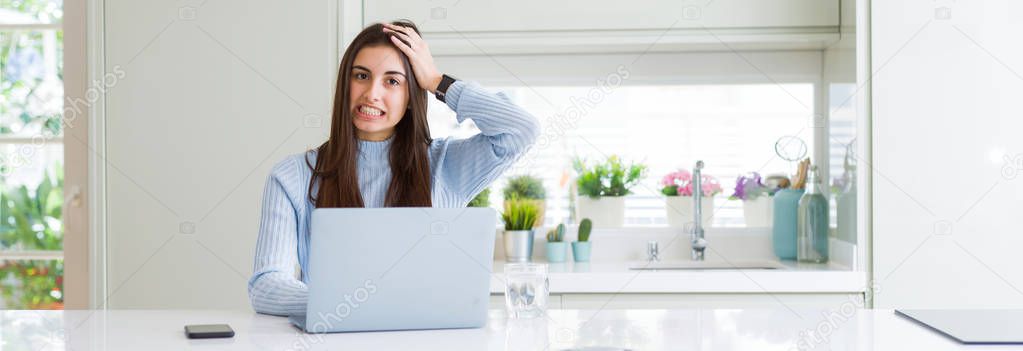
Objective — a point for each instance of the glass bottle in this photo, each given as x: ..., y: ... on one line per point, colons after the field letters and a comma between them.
x: 812, y: 223
x: 845, y: 221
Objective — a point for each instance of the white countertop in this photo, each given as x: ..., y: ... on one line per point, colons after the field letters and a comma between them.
x: 616, y: 277
x: 765, y: 329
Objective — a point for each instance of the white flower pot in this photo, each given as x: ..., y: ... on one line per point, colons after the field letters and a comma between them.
x: 518, y: 245
x: 758, y: 212
x: 680, y: 210
x: 605, y: 212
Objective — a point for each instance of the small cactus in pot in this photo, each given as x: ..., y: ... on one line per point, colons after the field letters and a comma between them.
x: 581, y: 247
x: 557, y: 234
x: 557, y: 249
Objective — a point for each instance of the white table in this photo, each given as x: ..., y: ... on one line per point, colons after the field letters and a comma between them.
x: 780, y: 329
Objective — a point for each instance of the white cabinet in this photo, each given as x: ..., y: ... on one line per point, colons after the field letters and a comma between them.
x: 497, y: 301
x: 716, y: 300
x: 568, y: 15
x: 477, y: 27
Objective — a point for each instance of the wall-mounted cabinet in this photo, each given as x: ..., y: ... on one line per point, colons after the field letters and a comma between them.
x: 714, y: 300
x: 535, y: 26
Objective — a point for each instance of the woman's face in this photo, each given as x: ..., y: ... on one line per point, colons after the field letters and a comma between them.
x: 378, y: 94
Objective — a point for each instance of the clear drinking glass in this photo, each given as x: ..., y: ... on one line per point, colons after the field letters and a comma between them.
x: 526, y: 289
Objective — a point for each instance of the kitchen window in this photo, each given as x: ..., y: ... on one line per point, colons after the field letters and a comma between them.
x: 731, y: 127
x: 665, y: 110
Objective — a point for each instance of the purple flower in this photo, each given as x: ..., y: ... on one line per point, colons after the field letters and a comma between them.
x: 749, y: 187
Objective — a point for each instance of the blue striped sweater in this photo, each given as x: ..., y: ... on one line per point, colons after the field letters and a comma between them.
x: 459, y: 169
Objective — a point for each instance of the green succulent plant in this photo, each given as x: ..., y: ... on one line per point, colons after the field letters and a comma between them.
x: 609, y: 178
x: 585, y: 226
x: 481, y: 200
x: 525, y: 187
x: 520, y: 214
x: 30, y: 219
x: 556, y: 235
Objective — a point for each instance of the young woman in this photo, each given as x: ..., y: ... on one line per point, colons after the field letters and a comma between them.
x: 380, y: 154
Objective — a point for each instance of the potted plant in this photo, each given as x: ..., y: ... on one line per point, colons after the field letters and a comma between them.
x: 757, y: 201
x: 481, y: 200
x: 526, y: 187
x: 581, y: 247
x: 519, y: 216
x: 677, y: 187
x: 602, y: 188
x: 28, y: 221
x: 556, y: 247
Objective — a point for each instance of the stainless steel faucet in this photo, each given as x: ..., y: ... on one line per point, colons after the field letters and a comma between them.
x: 652, y: 252
x: 698, y: 242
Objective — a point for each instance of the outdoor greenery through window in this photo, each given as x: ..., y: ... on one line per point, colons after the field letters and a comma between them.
x: 31, y: 154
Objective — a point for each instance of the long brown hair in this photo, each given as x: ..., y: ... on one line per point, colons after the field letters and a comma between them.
x: 335, y: 169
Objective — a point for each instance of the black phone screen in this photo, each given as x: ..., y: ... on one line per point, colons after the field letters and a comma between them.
x: 202, y: 331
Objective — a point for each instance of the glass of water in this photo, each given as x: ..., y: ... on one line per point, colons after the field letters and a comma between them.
x: 526, y: 289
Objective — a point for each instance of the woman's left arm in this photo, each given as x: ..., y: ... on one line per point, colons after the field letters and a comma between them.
x: 506, y: 130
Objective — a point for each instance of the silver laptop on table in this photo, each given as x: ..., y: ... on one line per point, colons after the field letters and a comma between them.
x: 404, y: 268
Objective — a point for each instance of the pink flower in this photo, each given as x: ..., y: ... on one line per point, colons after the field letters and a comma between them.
x: 709, y: 185
x: 680, y: 183
x: 677, y: 178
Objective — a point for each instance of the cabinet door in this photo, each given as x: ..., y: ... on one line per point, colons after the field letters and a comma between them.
x: 497, y: 301
x: 666, y: 301
x: 578, y: 15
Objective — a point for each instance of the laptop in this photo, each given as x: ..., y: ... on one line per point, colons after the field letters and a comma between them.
x: 972, y: 326
x: 409, y: 268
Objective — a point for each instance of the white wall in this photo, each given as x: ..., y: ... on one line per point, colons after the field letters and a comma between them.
x: 211, y: 97
x: 946, y: 112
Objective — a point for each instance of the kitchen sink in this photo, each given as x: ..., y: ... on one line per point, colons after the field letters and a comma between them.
x: 704, y: 265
